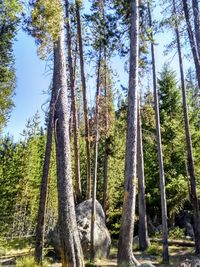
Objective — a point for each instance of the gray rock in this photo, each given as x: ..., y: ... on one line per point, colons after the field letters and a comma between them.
x: 190, y: 263
x: 189, y: 230
x: 102, y: 240
x: 147, y: 264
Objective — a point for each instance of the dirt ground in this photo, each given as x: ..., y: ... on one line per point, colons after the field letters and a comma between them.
x: 178, y: 255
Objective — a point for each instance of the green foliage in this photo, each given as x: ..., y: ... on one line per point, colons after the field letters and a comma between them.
x: 173, y: 142
x: 29, y: 261
x: 9, y: 20
x: 154, y: 249
x: 44, y: 24
x: 176, y: 233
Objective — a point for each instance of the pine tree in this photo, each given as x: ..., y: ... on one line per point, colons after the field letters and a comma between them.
x: 125, y: 253
x: 160, y: 156
x: 9, y: 21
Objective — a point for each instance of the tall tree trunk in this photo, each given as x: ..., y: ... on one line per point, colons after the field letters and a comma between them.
x: 125, y: 253
x: 40, y: 228
x: 143, y: 231
x: 106, y: 155
x: 96, y: 144
x: 191, y: 171
x: 85, y: 106
x: 74, y: 110
x: 71, y: 251
x: 192, y: 41
x: 160, y: 156
x: 195, y: 7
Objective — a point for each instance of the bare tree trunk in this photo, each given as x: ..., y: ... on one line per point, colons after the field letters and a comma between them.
x: 71, y: 253
x: 125, y: 253
x: 143, y: 231
x: 74, y: 110
x: 85, y: 106
x: 106, y: 155
x: 191, y: 171
x: 192, y: 41
x: 160, y: 156
x: 40, y: 228
x: 93, y: 213
x: 195, y: 7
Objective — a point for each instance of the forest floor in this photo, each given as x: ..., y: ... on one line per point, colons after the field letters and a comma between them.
x: 18, y: 248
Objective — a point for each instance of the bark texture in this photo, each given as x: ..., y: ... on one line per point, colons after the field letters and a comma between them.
x: 85, y: 106
x: 192, y: 40
x: 195, y: 7
x: 40, y: 228
x: 143, y: 231
x: 74, y: 109
x: 125, y: 253
x: 191, y: 170
x: 96, y: 144
x: 106, y: 154
x: 160, y: 155
x: 70, y: 243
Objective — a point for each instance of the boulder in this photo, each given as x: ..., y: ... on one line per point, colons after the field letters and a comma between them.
x: 190, y: 263
x: 102, y: 240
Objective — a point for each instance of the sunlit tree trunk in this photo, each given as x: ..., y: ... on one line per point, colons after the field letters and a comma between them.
x: 143, y: 231
x: 71, y: 251
x: 40, y: 228
x: 74, y: 109
x: 85, y: 106
x: 191, y: 170
x: 106, y: 155
x: 125, y: 253
x: 160, y: 155
x: 96, y: 144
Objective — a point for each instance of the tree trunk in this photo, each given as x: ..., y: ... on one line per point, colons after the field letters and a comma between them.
x: 71, y: 253
x: 191, y: 171
x: 106, y: 155
x: 160, y: 156
x: 143, y: 231
x: 195, y: 7
x: 192, y: 41
x: 74, y: 110
x: 85, y: 106
x: 125, y: 253
x: 93, y: 213
x: 40, y: 228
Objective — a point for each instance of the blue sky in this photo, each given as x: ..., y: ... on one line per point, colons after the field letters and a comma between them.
x: 33, y: 79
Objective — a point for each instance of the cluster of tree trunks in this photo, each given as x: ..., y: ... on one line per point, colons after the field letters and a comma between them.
x: 59, y: 125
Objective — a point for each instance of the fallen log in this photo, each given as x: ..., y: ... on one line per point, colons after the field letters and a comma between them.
x: 171, y: 242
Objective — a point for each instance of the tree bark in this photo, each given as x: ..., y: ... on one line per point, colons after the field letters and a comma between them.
x: 192, y: 41
x: 191, y: 170
x: 74, y: 110
x: 125, y: 253
x: 40, y: 228
x: 195, y: 7
x: 71, y: 253
x: 160, y: 155
x: 85, y: 106
x: 96, y: 144
x: 143, y: 231
x: 106, y: 155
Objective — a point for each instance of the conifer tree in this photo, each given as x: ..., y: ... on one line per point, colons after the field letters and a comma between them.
x: 125, y: 253
x: 9, y: 21
x: 160, y: 156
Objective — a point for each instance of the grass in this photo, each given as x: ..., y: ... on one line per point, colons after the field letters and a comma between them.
x: 30, y: 262
x: 15, y: 245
